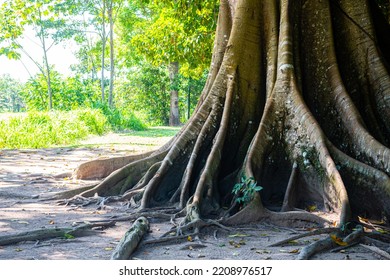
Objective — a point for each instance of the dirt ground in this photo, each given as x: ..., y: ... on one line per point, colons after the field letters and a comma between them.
x: 25, y: 174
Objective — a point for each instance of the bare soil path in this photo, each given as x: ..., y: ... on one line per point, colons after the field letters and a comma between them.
x: 25, y: 174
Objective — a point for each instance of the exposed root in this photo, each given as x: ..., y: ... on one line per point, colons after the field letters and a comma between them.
x: 329, y: 243
x: 65, y: 194
x: 255, y: 212
x: 101, y: 168
x: 131, y: 239
x: 166, y: 239
x: 48, y: 233
x: 378, y: 251
x: 290, y: 197
x: 306, y: 234
x: 85, y: 201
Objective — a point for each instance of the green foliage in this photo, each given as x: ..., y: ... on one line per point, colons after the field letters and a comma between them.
x: 68, y: 93
x: 10, y: 99
x: 162, y: 33
x: 146, y: 91
x: 120, y: 120
x: 190, y: 90
x: 246, y: 190
x: 44, y: 129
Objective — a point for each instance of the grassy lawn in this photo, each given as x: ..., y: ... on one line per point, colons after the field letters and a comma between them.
x: 155, y: 131
x: 74, y: 128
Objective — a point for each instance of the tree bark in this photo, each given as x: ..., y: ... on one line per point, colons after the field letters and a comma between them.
x: 174, y: 117
x: 297, y: 102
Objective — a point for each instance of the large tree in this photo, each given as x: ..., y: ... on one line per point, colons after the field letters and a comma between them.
x: 175, y: 34
x: 295, y: 114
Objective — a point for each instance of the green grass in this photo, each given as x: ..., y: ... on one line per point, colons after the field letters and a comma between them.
x: 46, y: 129
x: 157, y: 131
x: 60, y: 128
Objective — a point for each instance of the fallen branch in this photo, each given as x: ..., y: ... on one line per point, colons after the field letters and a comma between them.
x: 306, y: 234
x: 48, y: 233
x: 131, y: 239
x: 166, y: 239
x: 329, y: 243
x: 376, y: 250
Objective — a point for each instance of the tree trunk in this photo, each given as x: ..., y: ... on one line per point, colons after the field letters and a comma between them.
x: 112, y: 65
x: 104, y: 39
x: 46, y: 65
x: 297, y: 102
x: 48, y: 79
x: 174, y: 117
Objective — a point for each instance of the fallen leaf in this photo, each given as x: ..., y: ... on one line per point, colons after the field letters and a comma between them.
x: 234, y: 244
x: 293, y: 242
x: 18, y: 250
x: 68, y: 236
x: 295, y: 251
x: 383, y: 231
x: 338, y: 240
x: 312, y: 208
x: 376, y: 222
x: 108, y: 249
x: 189, y: 238
x: 51, y: 222
x: 263, y: 252
x: 237, y: 244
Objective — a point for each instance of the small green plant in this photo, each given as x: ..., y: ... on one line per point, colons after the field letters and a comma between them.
x: 246, y: 190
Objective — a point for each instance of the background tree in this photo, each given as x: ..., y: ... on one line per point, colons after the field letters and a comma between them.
x: 46, y: 18
x: 178, y: 37
x: 10, y: 99
x: 99, y: 17
x: 69, y: 93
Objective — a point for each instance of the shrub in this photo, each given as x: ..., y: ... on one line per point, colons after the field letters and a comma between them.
x: 45, y: 129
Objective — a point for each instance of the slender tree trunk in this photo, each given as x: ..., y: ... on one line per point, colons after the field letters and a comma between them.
x: 104, y: 39
x: 174, y: 117
x: 48, y: 77
x: 47, y: 66
x: 112, y: 64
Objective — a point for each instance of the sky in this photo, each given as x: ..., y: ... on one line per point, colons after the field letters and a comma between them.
x: 61, y: 56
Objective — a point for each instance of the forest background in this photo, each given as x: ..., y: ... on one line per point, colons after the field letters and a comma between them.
x: 137, y: 64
